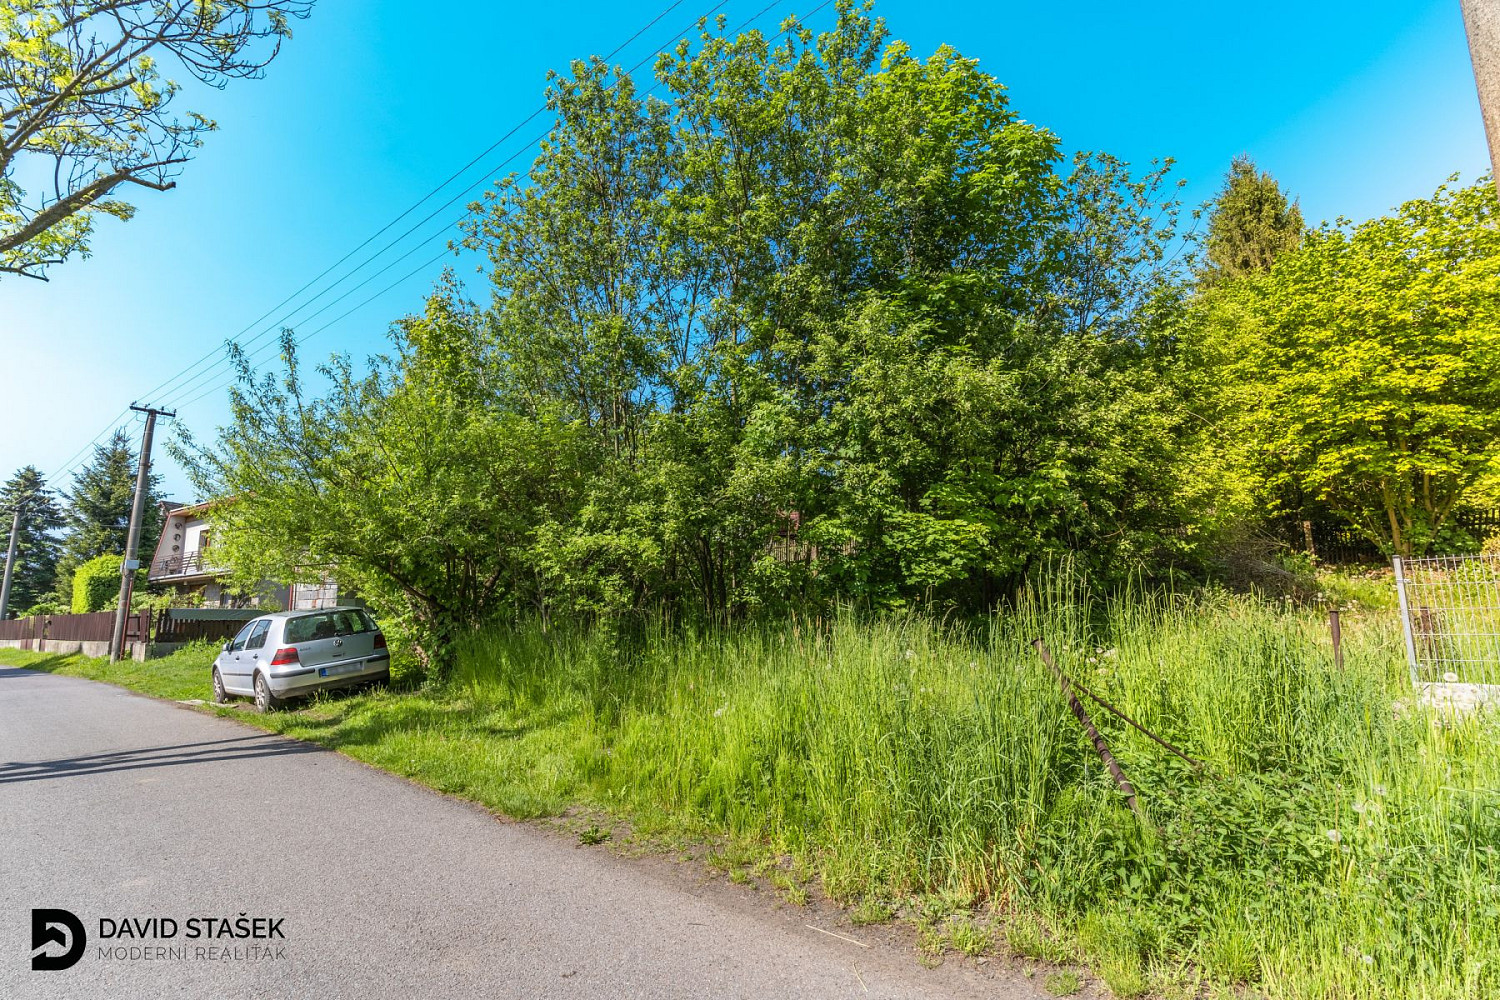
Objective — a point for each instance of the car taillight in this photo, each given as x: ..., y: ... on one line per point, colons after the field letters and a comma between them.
x: 287, y: 654
x: 379, y: 640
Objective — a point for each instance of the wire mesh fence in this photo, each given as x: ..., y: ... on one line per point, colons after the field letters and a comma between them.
x: 1450, y: 614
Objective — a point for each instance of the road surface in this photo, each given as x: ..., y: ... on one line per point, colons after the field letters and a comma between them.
x: 115, y: 806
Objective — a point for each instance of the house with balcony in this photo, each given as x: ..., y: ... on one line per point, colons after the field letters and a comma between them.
x: 184, y: 560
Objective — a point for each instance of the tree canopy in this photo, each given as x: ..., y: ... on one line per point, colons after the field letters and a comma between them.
x: 1250, y: 224
x: 85, y: 109
x: 1364, y: 365
x: 823, y: 322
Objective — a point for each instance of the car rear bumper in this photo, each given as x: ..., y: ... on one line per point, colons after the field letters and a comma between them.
x: 305, y: 680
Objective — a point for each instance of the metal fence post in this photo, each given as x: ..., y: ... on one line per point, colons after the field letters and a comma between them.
x: 1411, y: 641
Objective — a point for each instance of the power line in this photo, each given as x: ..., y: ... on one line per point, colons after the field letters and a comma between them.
x: 416, y: 270
x: 281, y: 321
x: 411, y: 208
x: 208, y: 373
x: 197, y: 380
x: 81, y: 456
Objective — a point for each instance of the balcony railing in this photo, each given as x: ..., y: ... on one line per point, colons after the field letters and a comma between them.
x: 186, y: 564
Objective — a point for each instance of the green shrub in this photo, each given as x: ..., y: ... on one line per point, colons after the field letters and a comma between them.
x: 96, y: 584
x: 46, y: 606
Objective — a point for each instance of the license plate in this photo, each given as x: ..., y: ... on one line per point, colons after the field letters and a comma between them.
x: 346, y: 668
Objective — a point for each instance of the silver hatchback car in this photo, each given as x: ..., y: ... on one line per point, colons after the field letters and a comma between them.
x: 292, y: 653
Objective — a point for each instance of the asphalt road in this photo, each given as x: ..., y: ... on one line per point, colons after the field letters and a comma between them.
x: 113, y: 805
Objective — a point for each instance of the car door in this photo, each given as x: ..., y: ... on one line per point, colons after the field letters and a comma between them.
x: 234, y: 668
x: 254, y: 653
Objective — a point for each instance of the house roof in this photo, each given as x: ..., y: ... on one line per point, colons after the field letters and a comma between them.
x: 191, y: 509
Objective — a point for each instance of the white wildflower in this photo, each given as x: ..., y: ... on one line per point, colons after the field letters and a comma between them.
x: 720, y: 710
x: 1111, y: 653
x: 1358, y: 807
x: 1367, y: 959
x: 1335, y: 836
x: 910, y: 654
x: 1380, y: 790
x: 1450, y: 677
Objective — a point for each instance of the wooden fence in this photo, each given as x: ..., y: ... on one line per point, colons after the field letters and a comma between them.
x: 1337, y: 542
x: 171, y: 625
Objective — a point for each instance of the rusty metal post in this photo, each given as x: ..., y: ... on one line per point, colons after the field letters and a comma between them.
x: 1338, y: 638
x: 1100, y: 747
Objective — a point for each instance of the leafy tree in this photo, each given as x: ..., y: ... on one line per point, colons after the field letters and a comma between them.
x: 1368, y: 362
x: 409, y: 483
x: 36, y: 544
x: 1250, y: 224
x: 747, y: 269
x: 823, y: 322
x: 96, y: 584
x: 98, y: 510
x: 84, y: 108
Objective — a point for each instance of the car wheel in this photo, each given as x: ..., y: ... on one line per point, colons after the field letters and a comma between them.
x: 221, y: 697
x: 264, y: 699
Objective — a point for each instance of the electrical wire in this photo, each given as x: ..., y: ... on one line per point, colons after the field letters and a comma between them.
x: 155, y: 390
x: 447, y: 227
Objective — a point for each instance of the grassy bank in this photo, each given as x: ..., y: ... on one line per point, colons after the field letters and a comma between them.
x: 1335, y: 848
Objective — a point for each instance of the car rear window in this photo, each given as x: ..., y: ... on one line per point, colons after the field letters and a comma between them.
x: 327, y: 625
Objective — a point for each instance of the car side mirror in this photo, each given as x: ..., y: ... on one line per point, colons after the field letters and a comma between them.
x: 225, y: 647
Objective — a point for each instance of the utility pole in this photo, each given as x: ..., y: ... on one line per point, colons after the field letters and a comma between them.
x: 1482, y: 25
x: 131, y: 562
x: 10, y: 561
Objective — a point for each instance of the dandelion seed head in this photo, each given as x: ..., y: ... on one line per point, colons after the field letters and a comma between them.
x: 1335, y: 836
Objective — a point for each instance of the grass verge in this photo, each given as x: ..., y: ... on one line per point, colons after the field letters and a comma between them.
x: 1334, y: 849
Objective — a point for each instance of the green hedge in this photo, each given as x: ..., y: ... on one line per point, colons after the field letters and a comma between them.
x: 96, y: 584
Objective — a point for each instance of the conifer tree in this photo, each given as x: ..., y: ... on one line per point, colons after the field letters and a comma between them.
x: 1250, y: 224
x: 98, y: 510
x: 36, y: 543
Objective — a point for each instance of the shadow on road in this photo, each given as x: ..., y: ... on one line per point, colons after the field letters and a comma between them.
x: 238, y: 748
x: 45, y: 665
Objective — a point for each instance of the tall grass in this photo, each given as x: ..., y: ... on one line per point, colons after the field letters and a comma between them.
x: 1335, y: 846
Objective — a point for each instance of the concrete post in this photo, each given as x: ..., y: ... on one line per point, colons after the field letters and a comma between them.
x: 1482, y: 25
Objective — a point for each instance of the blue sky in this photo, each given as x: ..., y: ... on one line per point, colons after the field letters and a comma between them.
x: 1353, y: 106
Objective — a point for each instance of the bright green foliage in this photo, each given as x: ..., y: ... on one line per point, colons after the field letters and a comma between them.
x: 98, y: 510
x: 1364, y: 367
x: 824, y: 323
x: 84, y: 105
x: 36, y: 545
x: 1250, y: 224
x: 96, y: 584
x: 410, y: 484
